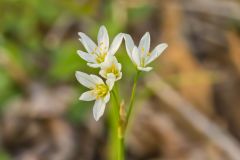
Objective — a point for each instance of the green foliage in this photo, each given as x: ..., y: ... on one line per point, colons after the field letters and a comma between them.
x: 6, y: 86
x: 24, y: 27
x: 4, y: 156
x: 140, y: 14
x: 65, y: 61
x: 78, y: 111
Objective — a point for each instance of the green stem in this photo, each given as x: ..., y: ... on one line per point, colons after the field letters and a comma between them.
x: 132, y: 98
x: 121, y: 125
x: 116, y: 107
x: 113, y: 143
x: 116, y: 98
x: 120, y: 138
x: 121, y: 149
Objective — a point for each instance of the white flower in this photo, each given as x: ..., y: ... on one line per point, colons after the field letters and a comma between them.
x: 141, y: 56
x: 110, y: 67
x: 99, y: 91
x: 96, y: 53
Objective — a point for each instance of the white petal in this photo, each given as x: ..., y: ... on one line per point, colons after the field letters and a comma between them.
x: 116, y: 44
x: 129, y: 45
x: 119, y: 77
x: 98, y: 109
x: 109, y: 59
x: 103, y: 39
x: 93, y: 65
x: 156, y: 52
x: 119, y: 66
x: 86, y: 56
x: 107, y: 98
x: 136, y: 56
x: 102, y: 72
x: 110, y: 80
x: 87, y: 96
x: 87, y: 43
x: 113, y: 60
x: 96, y: 79
x: 109, y: 63
x: 85, y: 79
x: 144, y: 44
x: 145, y: 69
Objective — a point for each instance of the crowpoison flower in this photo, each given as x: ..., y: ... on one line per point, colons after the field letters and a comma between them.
x: 141, y: 56
x: 96, y: 54
x: 99, y: 91
x: 110, y: 67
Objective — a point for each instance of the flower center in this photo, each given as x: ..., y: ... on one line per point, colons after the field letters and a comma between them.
x: 149, y: 54
x: 101, y: 57
x: 113, y: 69
x: 142, y: 62
x: 101, y: 90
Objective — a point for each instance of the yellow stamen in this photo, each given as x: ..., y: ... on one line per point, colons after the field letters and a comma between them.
x: 101, y: 90
x: 113, y: 69
x: 101, y: 57
x: 142, y: 62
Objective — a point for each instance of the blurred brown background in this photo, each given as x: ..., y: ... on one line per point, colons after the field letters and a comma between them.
x: 186, y: 109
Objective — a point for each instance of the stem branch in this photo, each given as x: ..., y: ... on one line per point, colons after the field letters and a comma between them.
x: 122, y: 122
x: 132, y: 98
x: 120, y: 138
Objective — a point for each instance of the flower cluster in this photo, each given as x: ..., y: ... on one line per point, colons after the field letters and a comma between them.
x: 102, y: 56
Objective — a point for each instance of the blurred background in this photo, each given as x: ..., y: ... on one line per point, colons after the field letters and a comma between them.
x: 188, y: 108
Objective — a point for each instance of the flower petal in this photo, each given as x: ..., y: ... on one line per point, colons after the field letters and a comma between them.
x: 113, y: 60
x: 103, y: 39
x: 87, y: 96
x: 136, y: 56
x: 96, y: 79
x: 98, y: 109
x: 129, y: 45
x: 107, y: 98
x: 116, y: 44
x: 102, y: 73
x: 93, y: 65
x: 119, y: 66
x: 145, y: 69
x: 156, y: 52
x: 110, y: 81
x: 106, y: 68
x: 119, y: 77
x: 85, y: 79
x: 90, y: 46
x: 109, y: 60
x: 86, y: 56
x: 144, y: 44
